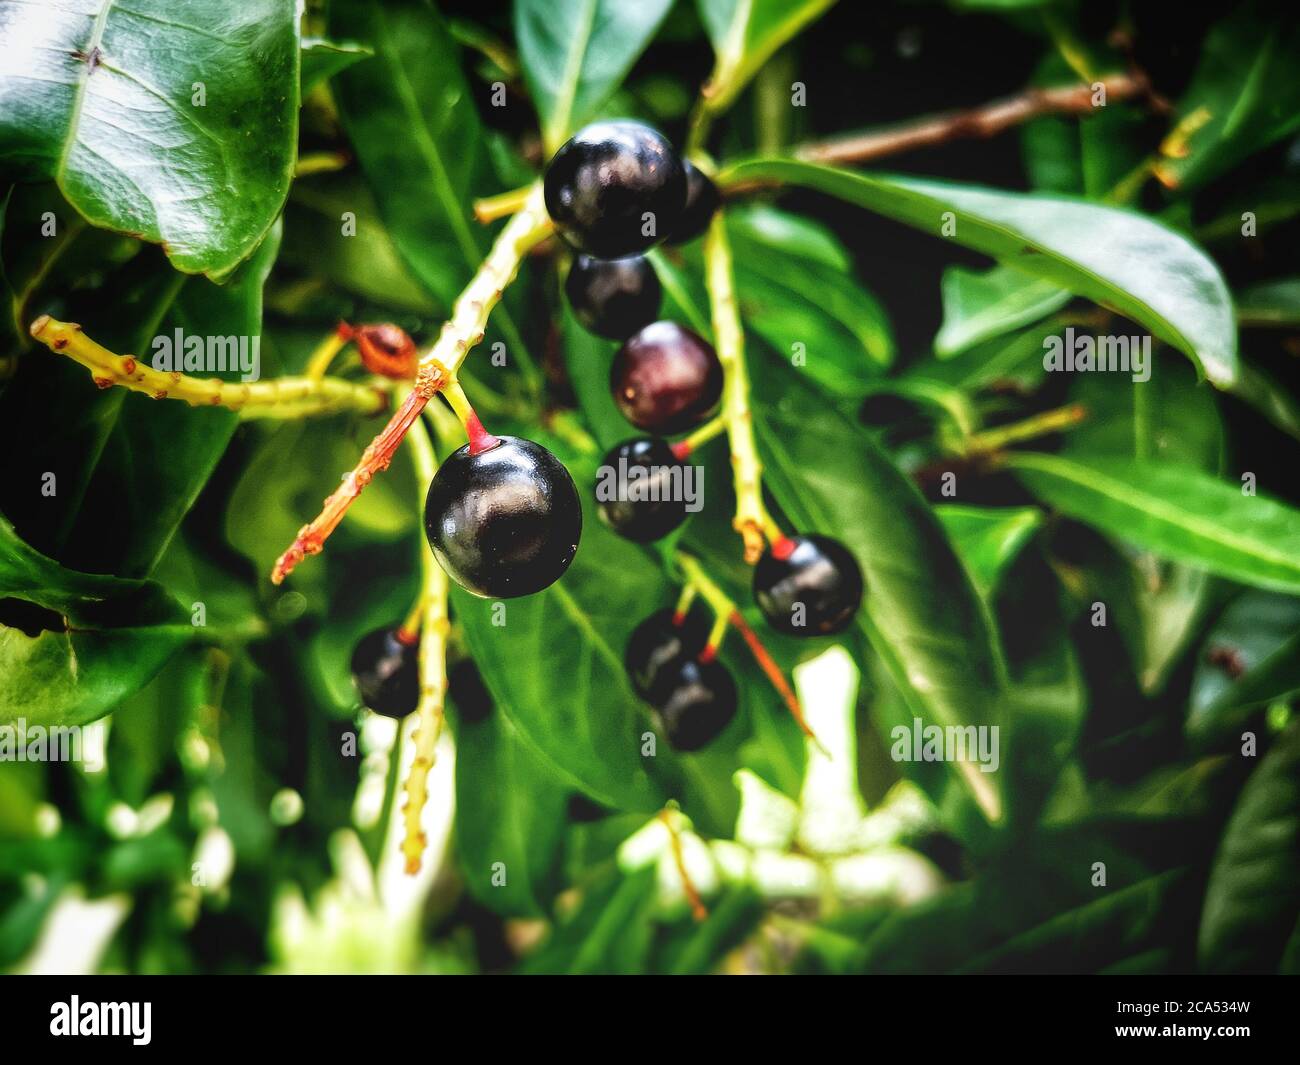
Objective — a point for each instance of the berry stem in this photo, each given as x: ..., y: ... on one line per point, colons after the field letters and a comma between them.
x: 438, y: 365
x: 480, y: 440
x: 334, y: 342
x: 725, y: 608
x: 433, y: 628
x: 698, y: 910
x: 751, y: 519
x: 280, y: 397
x: 1050, y: 421
x: 490, y: 208
x: 684, y: 602
x: 706, y: 432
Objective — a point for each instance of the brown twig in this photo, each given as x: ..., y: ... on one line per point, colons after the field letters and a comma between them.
x: 984, y: 121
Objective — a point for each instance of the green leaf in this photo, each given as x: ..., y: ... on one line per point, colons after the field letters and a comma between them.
x: 980, y: 305
x: 410, y: 117
x: 517, y: 820
x: 988, y: 539
x: 1117, y: 258
x: 102, y: 99
x: 1243, y: 97
x: 745, y: 34
x: 366, y: 264
x: 1270, y: 303
x: 575, y: 53
x: 104, y: 639
x: 1155, y: 603
x: 322, y: 59
x: 796, y: 286
x: 1249, y: 658
x: 1176, y: 511
x: 1252, y: 901
x: 571, y: 700
x: 131, y: 510
x: 127, y: 467
x: 921, y: 612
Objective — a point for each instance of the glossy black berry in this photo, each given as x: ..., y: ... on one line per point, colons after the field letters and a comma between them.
x: 665, y: 379
x: 702, y: 200
x: 615, y: 189
x: 385, y: 670
x: 641, y: 489
x: 613, y: 297
x: 699, y: 704
x: 808, y: 586
x: 504, y: 522
x: 657, y: 642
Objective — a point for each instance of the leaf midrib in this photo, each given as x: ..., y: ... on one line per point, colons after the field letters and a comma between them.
x: 83, y: 82
x: 1154, y: 506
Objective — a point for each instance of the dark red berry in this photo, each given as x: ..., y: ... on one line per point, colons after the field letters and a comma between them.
x: 385, y: 670
x: 658, y: 641
x: 613, y: 297
x: 808, y: 586
x: 702, y: 200
x: 641, y: 489
x: 504, y: 522
x: 665, y: 379
x: 615, y: 189
x: 700, y: 702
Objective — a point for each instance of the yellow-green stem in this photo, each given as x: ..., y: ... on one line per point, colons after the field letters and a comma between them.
x: 752, y: 520
x: 280, y: 397
x: 430, y: 711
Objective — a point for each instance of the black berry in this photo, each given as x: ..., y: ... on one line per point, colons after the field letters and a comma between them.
x: 665, y: 379
x: 702, y: 200
x: 808, y: 586
x: 385, y: 670
x: 640, y: 489
x: 504, y: 522
x: 700, y: 702
x: 657, y: 642
x: 613, y: 297
x: 615, y: 189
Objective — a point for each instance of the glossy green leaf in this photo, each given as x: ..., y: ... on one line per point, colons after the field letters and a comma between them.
x: 1155, y: 603
x: 1270, y: 303
x: 988, y: 539
x: 573, y: 703
x: 1252, y: 902
x: 322, y: 59
x: 745, y: 34
x: 1176, y: 511
x: 103, y: 639
x: 575, y: 53
x: 127, y: 468
x: 510, y: 818
x: 981, y: 305
x: 1243, y: 97
x: 175, y: 120
x: 366, y: 263
x: 1250, y: 657
x: 1115, y: 257
x: 409, y: 114
x: 921, y: 613
x: 796, y: 289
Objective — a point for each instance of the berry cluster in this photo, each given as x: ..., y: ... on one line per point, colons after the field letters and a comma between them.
x: 693, y: 694
x: 614, y: 191
x: 502, y: 514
